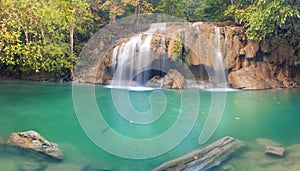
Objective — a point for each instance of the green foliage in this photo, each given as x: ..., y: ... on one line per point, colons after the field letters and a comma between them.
x: 172, y: 7
x: 35, y: 34
x: 187, y: 59
x: 212, y: 10
x: 262, y: 18
x: 177, y: 49
x: 179, y: 8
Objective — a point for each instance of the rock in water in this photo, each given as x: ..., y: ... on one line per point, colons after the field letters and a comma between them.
x: 32, y: 140
x: 204, y: 158
x: 279, y: 151
x: 173, y: 79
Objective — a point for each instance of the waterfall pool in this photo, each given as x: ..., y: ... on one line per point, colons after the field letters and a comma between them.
x: 260, y: 118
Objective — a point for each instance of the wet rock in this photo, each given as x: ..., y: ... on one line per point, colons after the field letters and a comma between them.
x: 279, y: 151
x: 257, y: 76
x: 94, y: 76
x: 194, y: 59
x: 254, y: 158
x: 7, y: 164
x: 2, y: 144
x: 92, y: 168
x: 246, y: 78
x: 265, y: 46
x: 293, y: 151
x: 173, y: 80
x: 64, y: 167
x: 242, y: 52
x: 265, y: 142
x: 31, y: 166
x: 155, y: 81
x: 1, y: 141
x: 251, y: 49
x: 289, y: 83
x: 251, y: 64
x: 33, y: 141
x: 294, y: 168
x: 228, y: 167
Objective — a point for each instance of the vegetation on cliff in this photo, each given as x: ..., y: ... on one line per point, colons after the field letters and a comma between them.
x: 47, y: 36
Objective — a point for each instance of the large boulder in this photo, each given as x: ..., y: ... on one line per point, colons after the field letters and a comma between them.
x: 251, y: 49
x: 33, y: 141
x: 173, y: 80
x: 254, y: 77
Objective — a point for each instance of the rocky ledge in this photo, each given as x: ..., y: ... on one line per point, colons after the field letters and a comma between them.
x: 33, y: 141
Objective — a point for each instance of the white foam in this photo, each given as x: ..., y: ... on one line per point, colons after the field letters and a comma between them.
x: 220, y: 89
x: 130, y: 88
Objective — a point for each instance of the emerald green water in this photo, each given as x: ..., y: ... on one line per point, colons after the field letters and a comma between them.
x: 48, y: 109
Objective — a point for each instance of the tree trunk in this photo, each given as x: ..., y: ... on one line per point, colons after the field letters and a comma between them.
x: 72, y: 36
x: 26, y: 36
x: 113, y: 18
x: 136, y: 14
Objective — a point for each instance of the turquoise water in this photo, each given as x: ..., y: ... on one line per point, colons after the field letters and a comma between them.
x: 48, y: 109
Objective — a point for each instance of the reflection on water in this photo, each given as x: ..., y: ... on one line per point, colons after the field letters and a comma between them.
x: 259, y: 118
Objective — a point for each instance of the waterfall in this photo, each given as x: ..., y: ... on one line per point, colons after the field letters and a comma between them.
x: 114, y: 57
x: 218, y: 77
x: 131, y: 58
x: 144, y: 57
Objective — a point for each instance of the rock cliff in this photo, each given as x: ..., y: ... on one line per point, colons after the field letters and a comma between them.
x: 246, y: 64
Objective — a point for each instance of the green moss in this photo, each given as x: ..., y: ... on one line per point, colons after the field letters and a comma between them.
x: 177, y: 48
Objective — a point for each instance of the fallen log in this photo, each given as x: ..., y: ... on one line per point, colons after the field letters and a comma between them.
x: 204, y: 158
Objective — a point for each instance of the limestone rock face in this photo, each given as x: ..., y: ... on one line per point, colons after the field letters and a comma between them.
x: 251, y: 49
x: 173, y: 79
x: 257, y: 76
x: 250, y: 64
x: 32, y: 140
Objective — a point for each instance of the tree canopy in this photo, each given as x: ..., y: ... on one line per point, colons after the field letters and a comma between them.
x: 262, y: 18
x: 47, y: 35
x: 38, y: 35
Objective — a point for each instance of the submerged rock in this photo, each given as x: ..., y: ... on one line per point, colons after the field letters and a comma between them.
x: 1, y: 140
x: 279, y: 151
x: 265, y: 142
x: 32, y: 140
x: 254, y: 158
x: 92, y: 168
x: 64, y: 167
x: 31, y: 166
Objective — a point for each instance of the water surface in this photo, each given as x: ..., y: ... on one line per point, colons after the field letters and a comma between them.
x: 271, y: 116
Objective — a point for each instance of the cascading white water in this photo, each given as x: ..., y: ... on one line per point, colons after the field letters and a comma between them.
x: 131, y: 58
x: 219, y: 78
x: 209, y: 52
x: 114, y: 57
x: 144, y: 56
